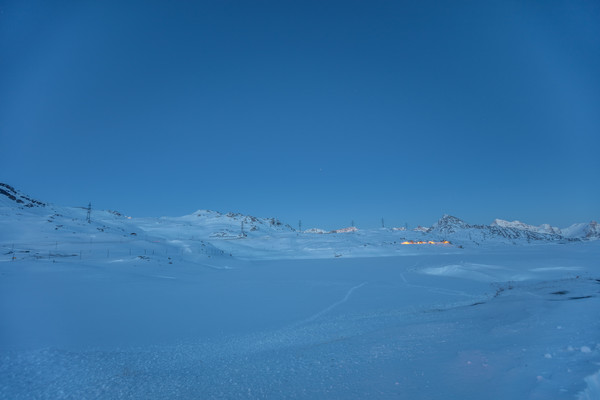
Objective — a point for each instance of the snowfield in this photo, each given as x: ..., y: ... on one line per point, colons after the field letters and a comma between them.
x: 162, y: 308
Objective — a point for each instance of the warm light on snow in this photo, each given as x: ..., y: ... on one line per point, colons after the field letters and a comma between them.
x: 425, y: 242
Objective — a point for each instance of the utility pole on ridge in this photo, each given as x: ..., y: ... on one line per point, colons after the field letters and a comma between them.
x: 89, y: 213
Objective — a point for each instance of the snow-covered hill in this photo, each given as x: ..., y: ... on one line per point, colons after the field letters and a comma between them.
x: 10, y: 197
x: 456, y: 230
x: 33, y: 229
x: 588, y: 230
x: 214, y: 224
x: 544, y: 228
x: 27, y: 222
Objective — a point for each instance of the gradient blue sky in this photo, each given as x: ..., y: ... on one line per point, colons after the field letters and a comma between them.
x: 325, y: 111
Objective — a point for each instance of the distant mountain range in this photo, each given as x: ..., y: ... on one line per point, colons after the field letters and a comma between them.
x: 216, y: 225
x: 456, y: 230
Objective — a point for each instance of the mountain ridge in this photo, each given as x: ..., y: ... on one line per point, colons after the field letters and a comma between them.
x: 232, y: 224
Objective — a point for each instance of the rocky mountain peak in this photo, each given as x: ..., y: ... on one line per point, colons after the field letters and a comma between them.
x: 449, y: 224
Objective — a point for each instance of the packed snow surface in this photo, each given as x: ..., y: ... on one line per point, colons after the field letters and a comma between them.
x: 195, y: 308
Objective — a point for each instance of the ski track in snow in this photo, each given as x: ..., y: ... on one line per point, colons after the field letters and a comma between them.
x: 334, y: 305
x: 215, y: 266
x: 163, y: 277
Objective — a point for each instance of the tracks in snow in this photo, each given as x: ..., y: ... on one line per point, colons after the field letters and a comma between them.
x: 332, y: 306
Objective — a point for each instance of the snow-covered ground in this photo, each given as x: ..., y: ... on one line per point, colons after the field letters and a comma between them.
x: 173, y: 308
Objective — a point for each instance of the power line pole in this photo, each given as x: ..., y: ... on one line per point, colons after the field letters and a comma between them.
x: 382, y: 223
x: 89, y: 213
x: 300, y: 225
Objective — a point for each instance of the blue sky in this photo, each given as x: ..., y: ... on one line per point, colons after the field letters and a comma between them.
x: 326, y: 112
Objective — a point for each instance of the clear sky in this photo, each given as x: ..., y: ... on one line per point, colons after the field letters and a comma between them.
x: 324, y: 111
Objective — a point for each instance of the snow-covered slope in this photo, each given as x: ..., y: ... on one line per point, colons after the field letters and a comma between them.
x: 315, y: 230
x: 458, y: 231
x: 10, y: 197
x: 214, y: 224
x: 31, y: 229
x: 583, y: 230
x: 211, y: 233
x: 28, y: 220
x: 544, y: 228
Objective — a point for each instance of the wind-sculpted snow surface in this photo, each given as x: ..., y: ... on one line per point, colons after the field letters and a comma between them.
x: 519, y: 323
x: 592, y: 391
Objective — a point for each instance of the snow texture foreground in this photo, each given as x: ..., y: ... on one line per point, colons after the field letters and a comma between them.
x: 159, y: 309
x: 391, y: 327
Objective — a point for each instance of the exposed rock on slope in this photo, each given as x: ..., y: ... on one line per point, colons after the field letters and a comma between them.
x: 456, y: 230
x: 12, y: 197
